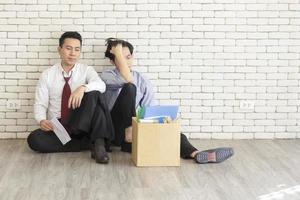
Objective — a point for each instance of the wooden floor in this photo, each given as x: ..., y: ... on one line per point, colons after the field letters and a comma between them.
x: 259, y: 170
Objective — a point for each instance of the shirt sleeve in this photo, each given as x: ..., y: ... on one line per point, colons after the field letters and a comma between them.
x: 148, y: 94
x: 41, y: 99
x: 112, y: 79
x: 94, y: 82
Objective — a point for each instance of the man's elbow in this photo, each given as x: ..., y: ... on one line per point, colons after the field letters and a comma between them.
x: 103, y: 88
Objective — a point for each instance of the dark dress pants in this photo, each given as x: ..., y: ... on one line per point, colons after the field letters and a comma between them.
x: 90, y: 121
x: 123, y: 111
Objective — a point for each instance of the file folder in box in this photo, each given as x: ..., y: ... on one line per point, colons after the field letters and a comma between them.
x: 160, y: 111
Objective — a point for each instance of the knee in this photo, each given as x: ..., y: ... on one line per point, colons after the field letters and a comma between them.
x: 36, y: 141
x: 129, y: 88
x: 91, y: 93
x: 91, y: 96
x: 33, y: 140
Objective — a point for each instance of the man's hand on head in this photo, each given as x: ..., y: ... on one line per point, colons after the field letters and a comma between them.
x: 117, y: 50
x: 46, y: 125
x: 76, y: 97
x: 121, y: 63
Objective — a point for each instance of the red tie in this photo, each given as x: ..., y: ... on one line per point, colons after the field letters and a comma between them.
x: 64, y: 100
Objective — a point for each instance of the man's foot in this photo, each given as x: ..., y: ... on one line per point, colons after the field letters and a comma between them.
x: 99, y: 153
x: 214, y: 155
x: 126, y: 147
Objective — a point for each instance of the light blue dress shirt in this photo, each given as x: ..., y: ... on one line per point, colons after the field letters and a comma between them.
x: 114, y: 83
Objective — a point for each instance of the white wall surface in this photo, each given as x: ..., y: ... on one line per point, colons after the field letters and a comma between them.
x: 208, y: 56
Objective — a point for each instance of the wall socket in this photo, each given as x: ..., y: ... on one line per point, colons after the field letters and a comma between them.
x: 13, y: 104
x: 247, y: 105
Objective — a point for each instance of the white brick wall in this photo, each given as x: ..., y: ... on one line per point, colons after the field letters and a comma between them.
x: 207, y: 56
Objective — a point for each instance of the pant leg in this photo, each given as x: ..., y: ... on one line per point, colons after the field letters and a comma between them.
x: 186, y: 148
x: 123, y: 111
x: 92, y: 117
x: 48, y: 142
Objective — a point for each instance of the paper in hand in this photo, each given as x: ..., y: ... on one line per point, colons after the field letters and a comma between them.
x: 60, y: 131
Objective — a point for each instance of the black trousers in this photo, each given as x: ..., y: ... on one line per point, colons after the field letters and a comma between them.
x: 90, y: 121
x: 123, y: 111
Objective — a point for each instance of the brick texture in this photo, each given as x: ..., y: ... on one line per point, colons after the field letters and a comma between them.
x: 206, y: 56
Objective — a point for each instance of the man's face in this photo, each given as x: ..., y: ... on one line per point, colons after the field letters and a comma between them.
x: 127, y: 55
x: 69, y: 52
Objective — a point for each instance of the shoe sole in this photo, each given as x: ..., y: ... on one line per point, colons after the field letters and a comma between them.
x: 220, y: 155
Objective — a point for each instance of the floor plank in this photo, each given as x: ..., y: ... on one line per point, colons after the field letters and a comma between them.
x: 259, y: 170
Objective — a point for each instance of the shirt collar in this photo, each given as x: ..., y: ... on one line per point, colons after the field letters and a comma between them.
x: 65, y: 74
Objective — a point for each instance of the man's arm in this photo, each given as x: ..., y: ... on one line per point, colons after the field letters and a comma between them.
x: 148, y: 94
x: 121, y: 63
x: 41, y: 103
x: 112, y: 79
x: 94, y: 83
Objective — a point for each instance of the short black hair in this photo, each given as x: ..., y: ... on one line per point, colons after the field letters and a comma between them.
x: 111, y: 42
x: 69, y: 34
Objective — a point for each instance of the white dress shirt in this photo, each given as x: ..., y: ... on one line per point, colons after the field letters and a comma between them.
x: 50, y: 86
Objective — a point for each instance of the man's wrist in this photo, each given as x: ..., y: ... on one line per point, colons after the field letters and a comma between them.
x: 39, y: 120
x: 83, y: 87
x: 118, y: 54
x: 42, y: 121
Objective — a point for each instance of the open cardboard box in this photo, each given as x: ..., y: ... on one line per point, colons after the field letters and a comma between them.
x: 156, y: 144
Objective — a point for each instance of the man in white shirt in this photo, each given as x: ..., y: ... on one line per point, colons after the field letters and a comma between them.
x: 72, y: 93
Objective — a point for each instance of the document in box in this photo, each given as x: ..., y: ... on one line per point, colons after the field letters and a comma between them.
x: 60, y: 131
x: 151, y: 112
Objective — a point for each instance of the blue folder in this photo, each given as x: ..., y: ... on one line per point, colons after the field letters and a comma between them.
x: 160, y: 111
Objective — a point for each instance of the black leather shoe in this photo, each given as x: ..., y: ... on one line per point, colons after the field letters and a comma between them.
x: 99, y: 153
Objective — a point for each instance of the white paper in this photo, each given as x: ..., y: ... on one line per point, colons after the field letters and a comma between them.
x: 60, y: 131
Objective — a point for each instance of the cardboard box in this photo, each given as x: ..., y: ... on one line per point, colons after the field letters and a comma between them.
x: 155, y: 144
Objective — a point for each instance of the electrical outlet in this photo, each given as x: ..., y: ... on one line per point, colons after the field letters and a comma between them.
x: 13, y: 104
x: 246, y: 105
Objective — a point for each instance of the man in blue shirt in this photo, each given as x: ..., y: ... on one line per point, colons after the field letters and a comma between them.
x: 127, y: 89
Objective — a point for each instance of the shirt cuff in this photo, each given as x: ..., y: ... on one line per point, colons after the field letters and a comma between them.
x: 86, y: 88
x: 39, y: 119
